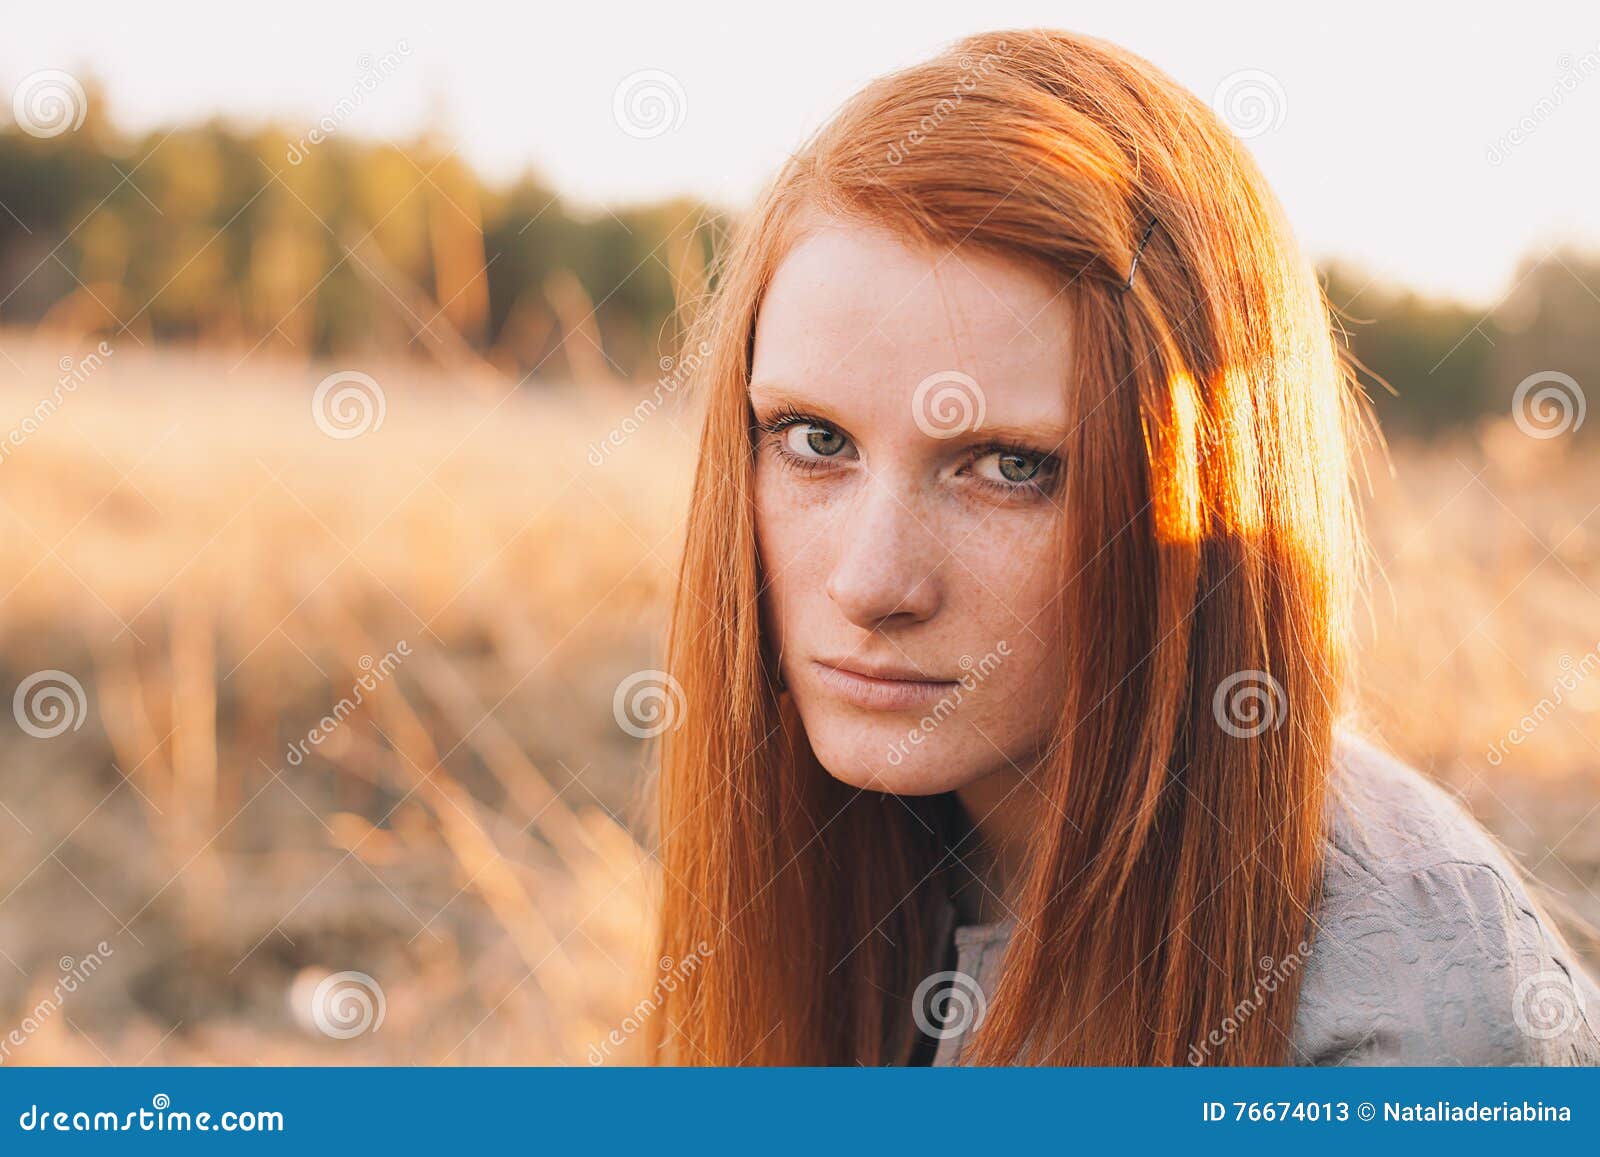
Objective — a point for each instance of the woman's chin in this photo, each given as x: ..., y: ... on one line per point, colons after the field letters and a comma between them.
x: 923, y: 771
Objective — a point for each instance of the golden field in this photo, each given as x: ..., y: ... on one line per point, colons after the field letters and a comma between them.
x: 182, y: 539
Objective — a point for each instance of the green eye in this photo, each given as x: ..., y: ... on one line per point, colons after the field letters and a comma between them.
x: 1012, y: 468
x: 809, y: 440
x: 1018, y: 468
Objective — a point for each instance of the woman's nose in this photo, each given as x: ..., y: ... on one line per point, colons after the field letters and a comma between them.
x: 887, y: 560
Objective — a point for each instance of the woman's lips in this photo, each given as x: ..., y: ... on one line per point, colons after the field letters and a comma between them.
x: 880, y: 694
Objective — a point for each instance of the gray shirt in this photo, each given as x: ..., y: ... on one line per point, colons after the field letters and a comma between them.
x: 1428, y: 949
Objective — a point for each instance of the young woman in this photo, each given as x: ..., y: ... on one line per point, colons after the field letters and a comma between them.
x: 1012, y: 630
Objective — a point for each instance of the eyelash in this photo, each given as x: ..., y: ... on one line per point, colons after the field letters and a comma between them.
x: 787, y: 416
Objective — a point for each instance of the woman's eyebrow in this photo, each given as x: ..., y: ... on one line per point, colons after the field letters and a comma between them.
x: 771, y: 394
x: 1048, y: 434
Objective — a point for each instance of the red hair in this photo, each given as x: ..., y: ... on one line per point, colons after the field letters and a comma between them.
x: 1209, y: 535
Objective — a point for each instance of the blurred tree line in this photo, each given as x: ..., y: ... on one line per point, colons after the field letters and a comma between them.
x: 251, y: 238
x: 211, y: 234
x: 1433, y: 365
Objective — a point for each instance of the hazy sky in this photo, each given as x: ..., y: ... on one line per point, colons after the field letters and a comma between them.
x: 1383, y: 149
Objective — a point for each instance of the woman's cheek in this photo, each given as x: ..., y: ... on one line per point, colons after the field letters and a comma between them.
x: 783, y: 533
x: 1007, y: 558
x: 793, y: 541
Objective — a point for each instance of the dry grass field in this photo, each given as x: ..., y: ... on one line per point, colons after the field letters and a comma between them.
x: 184, y: 542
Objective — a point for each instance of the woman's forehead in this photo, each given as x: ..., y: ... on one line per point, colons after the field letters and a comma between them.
x: 853, y: 305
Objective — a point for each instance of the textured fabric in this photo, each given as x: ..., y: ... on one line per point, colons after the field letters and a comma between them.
x: 1428, y: 950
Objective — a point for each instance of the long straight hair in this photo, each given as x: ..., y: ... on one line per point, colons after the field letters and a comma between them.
x: 1207, y: 561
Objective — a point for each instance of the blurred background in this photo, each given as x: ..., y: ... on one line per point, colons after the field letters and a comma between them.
x: 343, y: 460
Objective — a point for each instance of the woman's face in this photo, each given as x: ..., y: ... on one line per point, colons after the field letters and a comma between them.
x: 910, y: 409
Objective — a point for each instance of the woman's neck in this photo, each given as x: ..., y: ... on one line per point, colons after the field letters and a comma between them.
x: 990, y: 858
